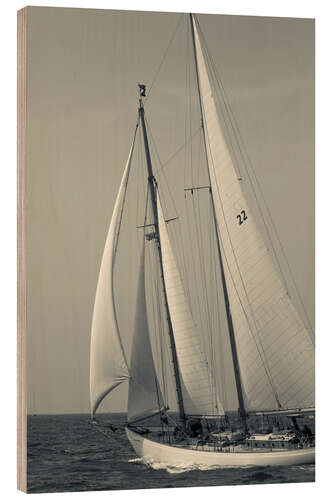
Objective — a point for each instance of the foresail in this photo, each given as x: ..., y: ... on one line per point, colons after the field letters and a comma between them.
x: 108, y: 366
x: 198, y: 393
x: 144, y: 395
x: 276, y: 354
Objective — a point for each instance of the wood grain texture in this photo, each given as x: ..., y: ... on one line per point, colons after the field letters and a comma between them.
x: 21, y: 255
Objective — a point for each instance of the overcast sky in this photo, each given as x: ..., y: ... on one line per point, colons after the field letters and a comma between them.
x: 83, y: 68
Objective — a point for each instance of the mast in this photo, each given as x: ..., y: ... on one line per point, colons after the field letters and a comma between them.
x: 153, y: 186
x: 240, y: 396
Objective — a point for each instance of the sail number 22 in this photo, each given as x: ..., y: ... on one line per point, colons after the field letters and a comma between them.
x: 241, y: 217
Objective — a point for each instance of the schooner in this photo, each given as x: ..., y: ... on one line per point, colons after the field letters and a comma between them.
x: 271, y: 349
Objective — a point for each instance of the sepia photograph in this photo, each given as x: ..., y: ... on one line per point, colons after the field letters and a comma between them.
x: 166, y: 249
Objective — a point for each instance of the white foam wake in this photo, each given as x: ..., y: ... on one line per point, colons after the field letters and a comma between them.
x: 181, y: 469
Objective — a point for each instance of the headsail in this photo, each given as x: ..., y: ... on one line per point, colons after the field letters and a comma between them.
x: 144, y: 395
x: 108, y: 366
x: 198, y: 393
x: 276, y: 354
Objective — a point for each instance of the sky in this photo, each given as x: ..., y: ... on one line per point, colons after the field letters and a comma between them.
x: 83, y: 69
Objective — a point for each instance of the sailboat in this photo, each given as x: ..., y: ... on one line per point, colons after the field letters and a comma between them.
x: 272, y: 351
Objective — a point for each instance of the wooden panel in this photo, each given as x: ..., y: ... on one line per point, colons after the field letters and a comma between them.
x: 21, y: 267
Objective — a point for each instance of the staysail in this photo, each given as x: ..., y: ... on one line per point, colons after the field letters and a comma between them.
x: 144, y: 395
x: 276, y: 354
x: 198, y: 393
x: 108, y: 366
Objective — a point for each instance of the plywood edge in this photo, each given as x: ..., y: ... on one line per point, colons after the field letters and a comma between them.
x: 21, y: 251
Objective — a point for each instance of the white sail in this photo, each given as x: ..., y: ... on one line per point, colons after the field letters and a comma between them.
x: 108, y: 366
x: 144, y: 395
x: 276, y: 354
x: 198, y: 394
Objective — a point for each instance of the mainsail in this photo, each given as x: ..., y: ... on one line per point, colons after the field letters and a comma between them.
x: 276, y: 354
x: 144, y: 395
x: 197, y: 387
x: 108, y: 366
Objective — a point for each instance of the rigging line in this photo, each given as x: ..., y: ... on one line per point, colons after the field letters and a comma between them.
x: 168, y: 187
x: 160, y: 406
x: 188, y: 153
x: 161, y: 332
x: 158, y: 348
x: 137, y: 198
x: 153, y: 304
x: 186, y: 101
x: 159, y: 160
x: 193, y: 266
x: 172, y: 199
x: 139, y: 182
x: 155, y: 307
x: 230, y: 141
x: 190, y: 129
x: 201, y: 250
x: 187, y: 142
x: 197, y: 226
x: 165, y: 178
x: 144, y: 188
x: 166, y: 351
x: 189, y: 224
x: 164, y: 56
x: 212, y: 351
x: 201, y: 263
x: 212, y: 262
x: 167, y: 357
x: 247, y: 160
x: 188, y: 165
x: 163, y: 165
x: 124, y: 197
x: 204, y: 280
x: 139, y: 159
x: 176, y: 256
x: 189, y: 116
x: 221, y: 389
x: 157, y: 317
x: 213, y: 314
x: 203, y: 307
x: 188, y: 121
x: 211, y: 306
x: 219, y: 322
x: 146, y: 207
x: 150, y: 258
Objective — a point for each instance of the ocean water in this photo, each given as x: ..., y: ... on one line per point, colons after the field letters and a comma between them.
x: 66, y: 453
